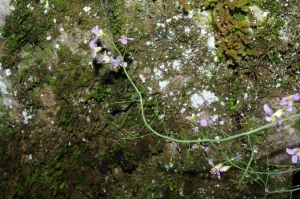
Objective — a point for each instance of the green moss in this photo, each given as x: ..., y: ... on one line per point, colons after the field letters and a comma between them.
x: 24, y: 26
x: 118, y: 20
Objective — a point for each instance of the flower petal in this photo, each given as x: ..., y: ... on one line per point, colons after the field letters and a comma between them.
x: 289, y: 109
x: 123, y: 41
x: 93, y: 43
x: 94, y: 54
x: 268, y: 110
x: 290, y: 151
x: 267, y: 190
x: 297, y: 96
x: 211, y: 163
x: 204, y: 148
x: 294, y: 159
x: 96, y: 30
x: 284, y: 101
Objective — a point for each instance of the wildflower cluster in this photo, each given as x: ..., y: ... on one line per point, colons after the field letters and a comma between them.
x: 219, y: 168
x: 100, y: 54
x: 104, y: 58
x: 275, y: 117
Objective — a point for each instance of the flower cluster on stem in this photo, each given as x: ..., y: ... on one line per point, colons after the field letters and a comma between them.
x: 104, y: 58
x: 275, y: 117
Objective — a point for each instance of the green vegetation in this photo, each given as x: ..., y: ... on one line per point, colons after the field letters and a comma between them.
x: 90, y: 137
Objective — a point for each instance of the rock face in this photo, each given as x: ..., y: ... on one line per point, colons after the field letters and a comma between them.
x: 4, y: 11
x: 78, y: 126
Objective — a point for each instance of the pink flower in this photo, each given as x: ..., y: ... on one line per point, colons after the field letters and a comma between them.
x: 289, y: 100
x: 295, y: 154
x: 124, y: 39
x: 273, y: 117
x: 98, y: 32
x: 218, y: 168
x: 96, y: 49
x: 267, y: 190
x: 197, y: 146
x: 118, y: 61
x: 205, y: 122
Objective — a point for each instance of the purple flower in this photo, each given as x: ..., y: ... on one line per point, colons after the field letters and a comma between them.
x: 295, y: 154
x: 205, y: 122
x: 124, y: 39
x: 98, y: 32
x: 118, y: 61
x: 267, y: 190
x: 104, y: 58
x: 289, y: 100
x: 215, y: 169
x: 273, y: 117
x: 218, y: 168
x: 197, y: 146
x: 96, y: 49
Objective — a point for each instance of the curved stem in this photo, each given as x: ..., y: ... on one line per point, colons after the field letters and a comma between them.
x: 205, y: 139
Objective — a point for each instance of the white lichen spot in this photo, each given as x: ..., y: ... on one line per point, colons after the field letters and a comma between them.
x: 162, y: 66
x: 46, y: 6
x: 211, y: 41
x: 176, y: 64
x: 54, y: 20
x: 197, y: 100
x: 48, y: 38
x: 8, y: 72
x: 30, y: 7
x: 150, y: 89
x: 26, y: 117
x: 258, y: 13
x: 214, y: 118
x: 163, y: 84
x: 157, y: 73
x: 30, y: 157
x: 187, y: 30
x: 161, y: 117
x: 217, y: 138
x: 182, y: 110
x: 142, y: 78
x: 209, y: 97
x: 3, y: 88
x: 161, y: 25
x: 61, y: 29
x: 57, y: 46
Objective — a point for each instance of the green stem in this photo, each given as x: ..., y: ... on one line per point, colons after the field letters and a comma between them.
x: 205, y: 139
